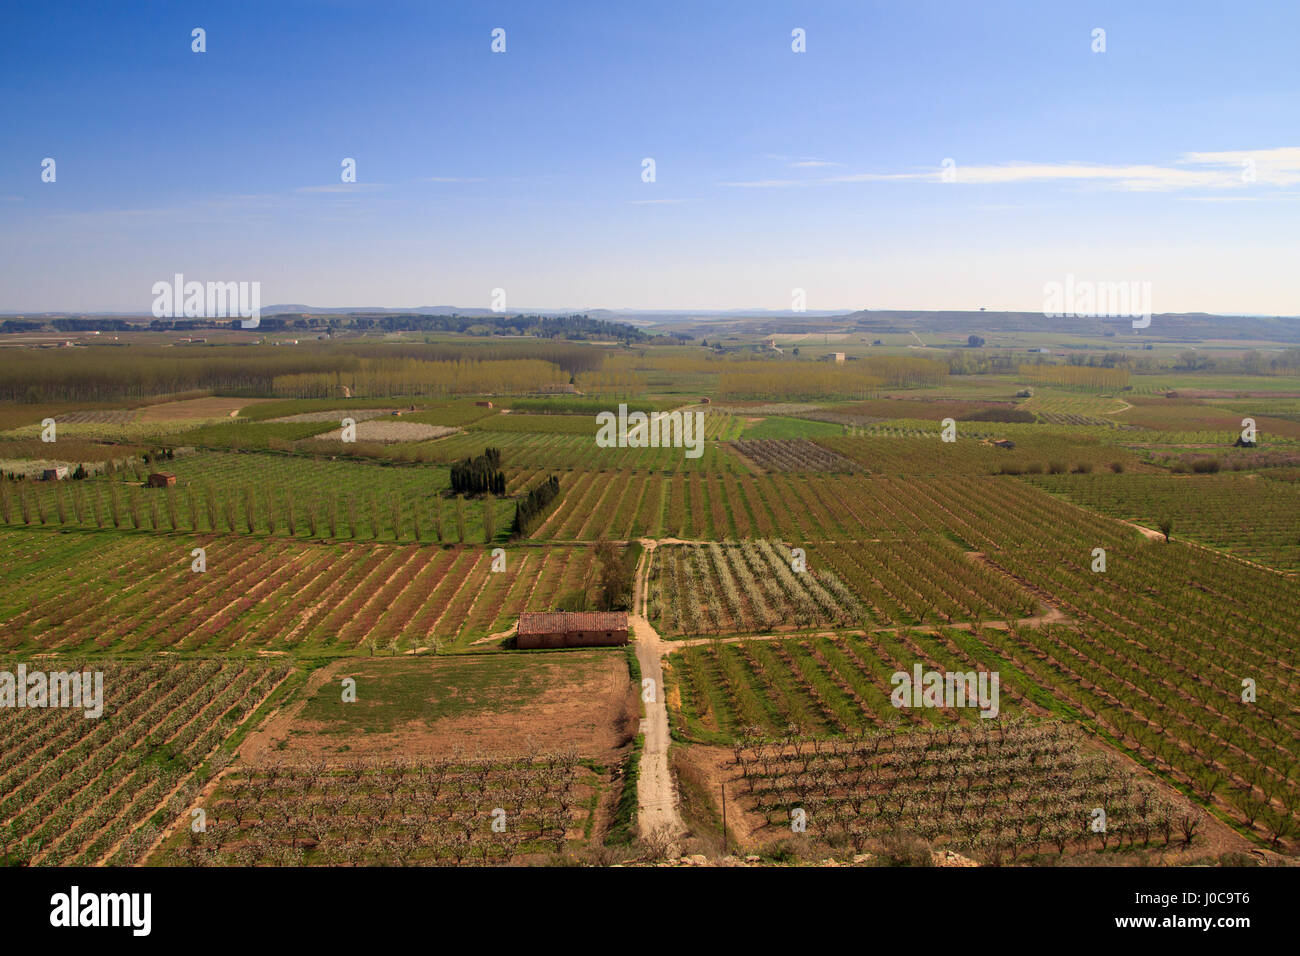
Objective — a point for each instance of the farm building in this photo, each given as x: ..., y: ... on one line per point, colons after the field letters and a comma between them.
x: 161, y: 479
x: 55, y: 474
x: 571, y: 629
x: 483, y: 404
x: 836, y: 357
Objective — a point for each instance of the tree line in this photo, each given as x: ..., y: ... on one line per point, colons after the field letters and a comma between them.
x: 529, y: 509
x: 479, y: 475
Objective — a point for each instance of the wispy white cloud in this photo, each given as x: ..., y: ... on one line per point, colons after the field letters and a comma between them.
x: 342, y: 188
x: 1245, y: 197
x: 1224, y: 170
x: 655, y: 202
x: 813, y: 163
x: 772, y: 183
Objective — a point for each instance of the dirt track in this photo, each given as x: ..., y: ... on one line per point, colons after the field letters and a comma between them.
x: 656, y: 797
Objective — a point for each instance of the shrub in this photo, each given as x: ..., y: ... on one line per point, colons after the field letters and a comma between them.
x: 905, y: 849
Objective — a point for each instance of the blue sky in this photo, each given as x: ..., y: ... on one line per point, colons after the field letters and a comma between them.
x: 774, y: 170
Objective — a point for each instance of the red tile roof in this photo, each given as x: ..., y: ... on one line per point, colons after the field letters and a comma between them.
x: 552, y: 622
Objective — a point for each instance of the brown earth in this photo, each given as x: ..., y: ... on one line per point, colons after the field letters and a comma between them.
x: 197, y: 408
x: 588, y: 709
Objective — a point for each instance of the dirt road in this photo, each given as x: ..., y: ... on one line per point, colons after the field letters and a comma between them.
x: 656, y: 797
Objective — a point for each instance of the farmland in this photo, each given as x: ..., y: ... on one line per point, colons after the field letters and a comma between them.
x: 786, y: 437
x: 419, y: 768
x: 794, y: 454
x: 80, y: 791
x: 1244, y: 515
x: 140, y: 594
x: 825, y: 540
x: 266, y: 494
x: 1134, y: 659
x: 758, y: 585
x: 824, y: 684
x: 1006, y: 794
x: 435, y: 814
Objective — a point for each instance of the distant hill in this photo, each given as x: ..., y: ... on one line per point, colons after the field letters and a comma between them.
x: 1192, y: 326
x: 1164, y: 325
x: 1189, y: 326
x: 297, y: 308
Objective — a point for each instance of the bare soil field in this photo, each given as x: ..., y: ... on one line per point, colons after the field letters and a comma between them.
x: 196, y: 408
x: 387, y: 430
x: 109, y: 416
x: 422, y: 707
x: 337, y: 415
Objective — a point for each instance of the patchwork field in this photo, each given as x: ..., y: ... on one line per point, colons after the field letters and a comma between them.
x: 1151, y: 653
x: 845, y: 498
x: 778, y: 585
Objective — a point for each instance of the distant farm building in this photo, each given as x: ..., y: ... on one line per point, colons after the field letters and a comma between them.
x: 483, y: 404
x: 837, y: 357
x: 161, y: 479
x: 571, y: 629
x: 55, y: 474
